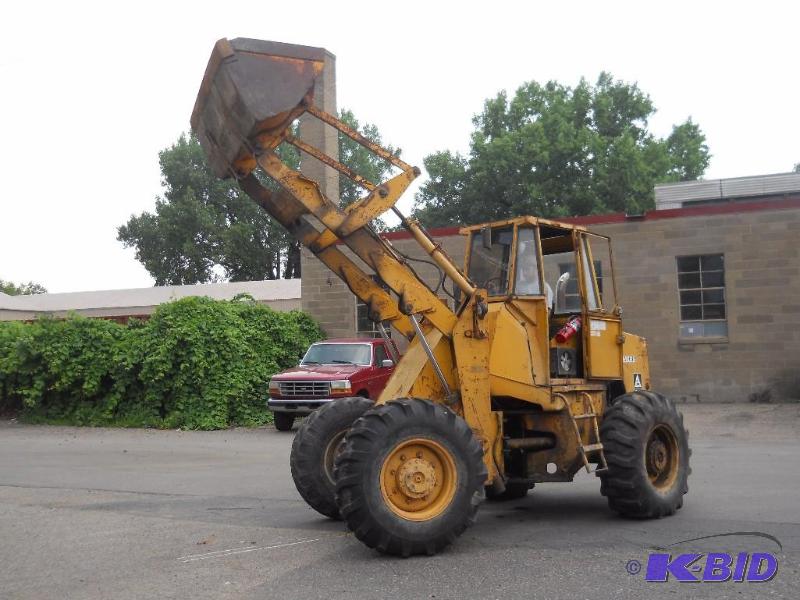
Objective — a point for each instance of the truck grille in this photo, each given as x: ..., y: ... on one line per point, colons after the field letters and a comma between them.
x: 305, y: 389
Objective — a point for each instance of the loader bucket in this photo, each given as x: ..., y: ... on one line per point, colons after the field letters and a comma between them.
x: 251, y: 92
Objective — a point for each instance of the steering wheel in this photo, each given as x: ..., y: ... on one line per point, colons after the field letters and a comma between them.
x: 492, y: 288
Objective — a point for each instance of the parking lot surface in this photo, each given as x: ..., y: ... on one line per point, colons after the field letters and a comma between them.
x: 111, y: 513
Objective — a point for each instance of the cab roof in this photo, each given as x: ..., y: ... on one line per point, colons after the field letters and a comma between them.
x: 526, y: 220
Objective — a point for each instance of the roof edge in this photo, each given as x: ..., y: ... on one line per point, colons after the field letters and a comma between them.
x: 781, y: 203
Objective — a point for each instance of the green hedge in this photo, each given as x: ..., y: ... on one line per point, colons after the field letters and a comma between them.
x: 196, y: 363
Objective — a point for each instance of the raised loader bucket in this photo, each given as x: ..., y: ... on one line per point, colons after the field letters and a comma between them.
x: 251, y: 92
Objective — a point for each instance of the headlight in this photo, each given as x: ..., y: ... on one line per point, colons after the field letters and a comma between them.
x: 274, y: 386
x: 342, y: 385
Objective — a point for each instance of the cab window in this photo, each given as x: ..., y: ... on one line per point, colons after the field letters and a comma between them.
x: 488, y: 259
x: 592, y: 302
x: 526, y: 278
x: 560, y: 270
x: 600, y: 250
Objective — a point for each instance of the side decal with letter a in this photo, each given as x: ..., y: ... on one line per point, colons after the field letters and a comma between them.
x: 637, y: 381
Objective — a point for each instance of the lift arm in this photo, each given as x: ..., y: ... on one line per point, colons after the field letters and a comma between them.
x: 252, y: 93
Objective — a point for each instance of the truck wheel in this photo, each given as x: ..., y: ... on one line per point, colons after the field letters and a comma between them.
x: 647, y: 450
x: 283, y: 421
x: 409, y: 477
x: 513, y: 491
x: 314, y: 448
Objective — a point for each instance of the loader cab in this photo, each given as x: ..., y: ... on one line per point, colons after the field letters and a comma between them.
x: 555, y: 276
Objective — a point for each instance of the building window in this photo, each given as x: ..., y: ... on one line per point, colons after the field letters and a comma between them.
x: 701, y: 285
x: 364, y: 326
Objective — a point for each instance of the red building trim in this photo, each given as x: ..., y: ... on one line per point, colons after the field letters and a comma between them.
x: 724, y: 208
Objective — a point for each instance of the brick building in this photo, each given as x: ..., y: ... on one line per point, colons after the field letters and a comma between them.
x: 711, y: 278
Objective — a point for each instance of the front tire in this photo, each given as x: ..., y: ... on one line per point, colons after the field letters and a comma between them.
x: 314, y: 447
x: 647, y: 451
x: 283, y: 421
x: 409, y: 477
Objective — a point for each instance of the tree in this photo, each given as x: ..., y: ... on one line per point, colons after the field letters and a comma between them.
x: 22, y: 289
x: 361, y: 161
x: 552, y: 151
x: 797, y: 168
x: 205, y: 229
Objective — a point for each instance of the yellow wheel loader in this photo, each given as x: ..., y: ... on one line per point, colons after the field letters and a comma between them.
x: 526, y: 376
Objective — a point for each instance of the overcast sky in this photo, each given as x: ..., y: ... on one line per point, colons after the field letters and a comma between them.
x: 91, y: 92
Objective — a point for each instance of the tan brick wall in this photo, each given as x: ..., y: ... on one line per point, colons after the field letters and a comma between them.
x: 323, y: 294
x: 762, y: 277
x: 322, y: 137
x: 326, y: 298
x: 762, y: 281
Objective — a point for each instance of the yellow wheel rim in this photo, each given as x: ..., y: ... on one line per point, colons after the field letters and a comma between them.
x: 418, y: 479
x: 329, y: 456
x: 662, y: 458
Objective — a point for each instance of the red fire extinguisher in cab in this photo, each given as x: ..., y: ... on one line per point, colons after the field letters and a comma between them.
x: 569, y: 329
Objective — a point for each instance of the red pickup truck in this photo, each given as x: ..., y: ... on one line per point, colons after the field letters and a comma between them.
x: 332, y: 369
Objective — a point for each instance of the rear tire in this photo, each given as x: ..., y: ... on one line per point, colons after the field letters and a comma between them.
x: 315, y: 445
x: 283, y: 421
x: 647, y: 450
x: 410, y: 477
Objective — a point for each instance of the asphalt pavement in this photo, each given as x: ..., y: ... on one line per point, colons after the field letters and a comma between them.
x: 117, y: 514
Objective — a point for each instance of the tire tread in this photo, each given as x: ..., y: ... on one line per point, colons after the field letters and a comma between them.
x: 623, y: 432
x: 309, y: 439
x: 365, y: 436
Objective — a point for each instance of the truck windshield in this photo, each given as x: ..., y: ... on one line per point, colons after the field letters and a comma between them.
x: 337, y: 354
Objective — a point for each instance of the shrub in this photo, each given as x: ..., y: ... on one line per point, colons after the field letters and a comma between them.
x: 11, y: 334
x: 196, y: 363
x: 65, y: 369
